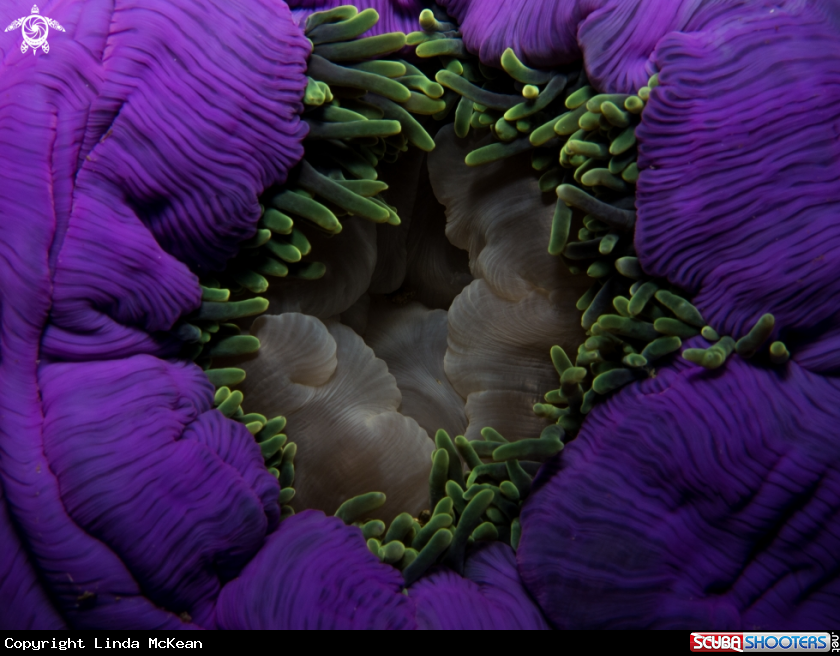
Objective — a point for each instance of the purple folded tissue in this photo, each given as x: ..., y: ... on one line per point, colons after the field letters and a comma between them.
x: 477, y: 315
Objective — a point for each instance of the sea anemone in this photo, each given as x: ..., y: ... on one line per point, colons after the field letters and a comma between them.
x: 439, y: 222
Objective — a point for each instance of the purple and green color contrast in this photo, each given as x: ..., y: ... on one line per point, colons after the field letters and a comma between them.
x: 403, y: 315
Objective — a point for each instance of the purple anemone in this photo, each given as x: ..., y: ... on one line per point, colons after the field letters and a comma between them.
x: 741, y: 535
x: 108, y: 182
x: 154, y: 157
x: 730, y: 518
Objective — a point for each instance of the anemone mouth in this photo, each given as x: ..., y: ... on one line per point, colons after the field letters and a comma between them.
x: 364, y: 105
x: 677, y: 489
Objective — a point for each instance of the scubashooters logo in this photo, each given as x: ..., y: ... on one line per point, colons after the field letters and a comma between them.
x: 767, y: 642
x: 35, y: 29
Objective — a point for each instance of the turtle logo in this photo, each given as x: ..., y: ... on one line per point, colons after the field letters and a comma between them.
x: 35, y: 29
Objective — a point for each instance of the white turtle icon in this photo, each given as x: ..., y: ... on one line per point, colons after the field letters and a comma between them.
x: 35, y: 29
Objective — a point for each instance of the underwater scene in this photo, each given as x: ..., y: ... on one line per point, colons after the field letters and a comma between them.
x: 482, y: 314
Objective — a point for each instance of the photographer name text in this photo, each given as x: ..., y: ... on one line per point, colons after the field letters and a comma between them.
x: 100, y: 643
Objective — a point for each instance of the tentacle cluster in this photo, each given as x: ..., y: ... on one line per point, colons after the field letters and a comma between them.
x: 482, y: 506
x: 632, y: 319
x: 278, y: 454
x: 360, y: 111
x: 115, y: 225
x: 583, y: 145
x: 359, y: 114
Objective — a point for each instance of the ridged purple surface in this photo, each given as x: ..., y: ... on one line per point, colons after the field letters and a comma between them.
x: 739, y: 195
x: 543, y: 34
x: 315, y: 573
x: 490, y: 596
x: 127, y: 501
x: 177, y: 494
x: 143, y: 136
x: 705, y: 499
x: 614, y: 37
x: 740, y: 183
x: 695, y: 499
x: 26, y: 604
x: 134, y: 152
x: 394, y: 15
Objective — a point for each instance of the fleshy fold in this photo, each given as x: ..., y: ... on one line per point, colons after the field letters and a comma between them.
x: 694, y: 499
x: 490, y: 596
x: 132, y: 165
x: 747, y: 223
x: 127, y: 501
x: 394, y: 15
x: 317, y: 573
